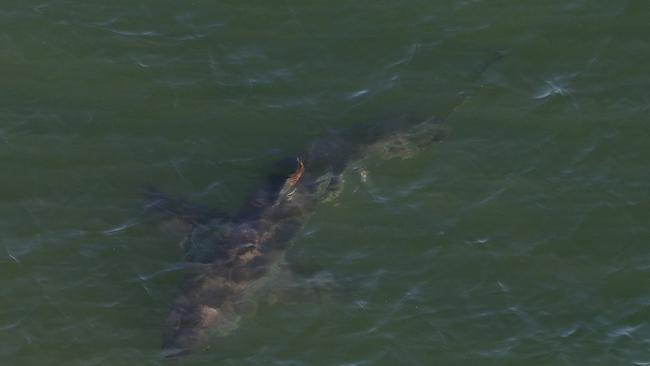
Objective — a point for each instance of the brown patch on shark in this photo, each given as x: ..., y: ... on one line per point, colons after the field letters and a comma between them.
x: 208, y: 315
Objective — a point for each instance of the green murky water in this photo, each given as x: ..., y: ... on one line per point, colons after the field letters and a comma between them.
x: 522, y: 239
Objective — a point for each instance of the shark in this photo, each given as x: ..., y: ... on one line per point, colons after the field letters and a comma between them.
x: 236, y: 255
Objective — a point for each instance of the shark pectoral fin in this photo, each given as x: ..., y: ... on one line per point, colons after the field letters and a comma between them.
x: 316, y: 289
x: 177, y: 214
x: 287, y: 286
x: 245, y: 307
x: 199, y: 243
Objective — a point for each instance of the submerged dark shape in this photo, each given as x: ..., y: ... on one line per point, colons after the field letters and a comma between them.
x: 237, y: 254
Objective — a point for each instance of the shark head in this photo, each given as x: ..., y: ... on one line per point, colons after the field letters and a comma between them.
x: 187, y: 329
x: 204, y: 308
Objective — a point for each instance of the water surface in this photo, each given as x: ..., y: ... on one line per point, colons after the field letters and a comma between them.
x: 521, y: 239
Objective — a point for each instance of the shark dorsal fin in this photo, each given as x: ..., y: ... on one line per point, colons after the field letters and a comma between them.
x: 289, y: 185
x: 295, y: 177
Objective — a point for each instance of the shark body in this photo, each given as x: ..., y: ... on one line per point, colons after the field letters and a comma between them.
x: 238, y: 254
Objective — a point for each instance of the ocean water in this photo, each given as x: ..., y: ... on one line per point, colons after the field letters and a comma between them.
x: 521, y: 239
